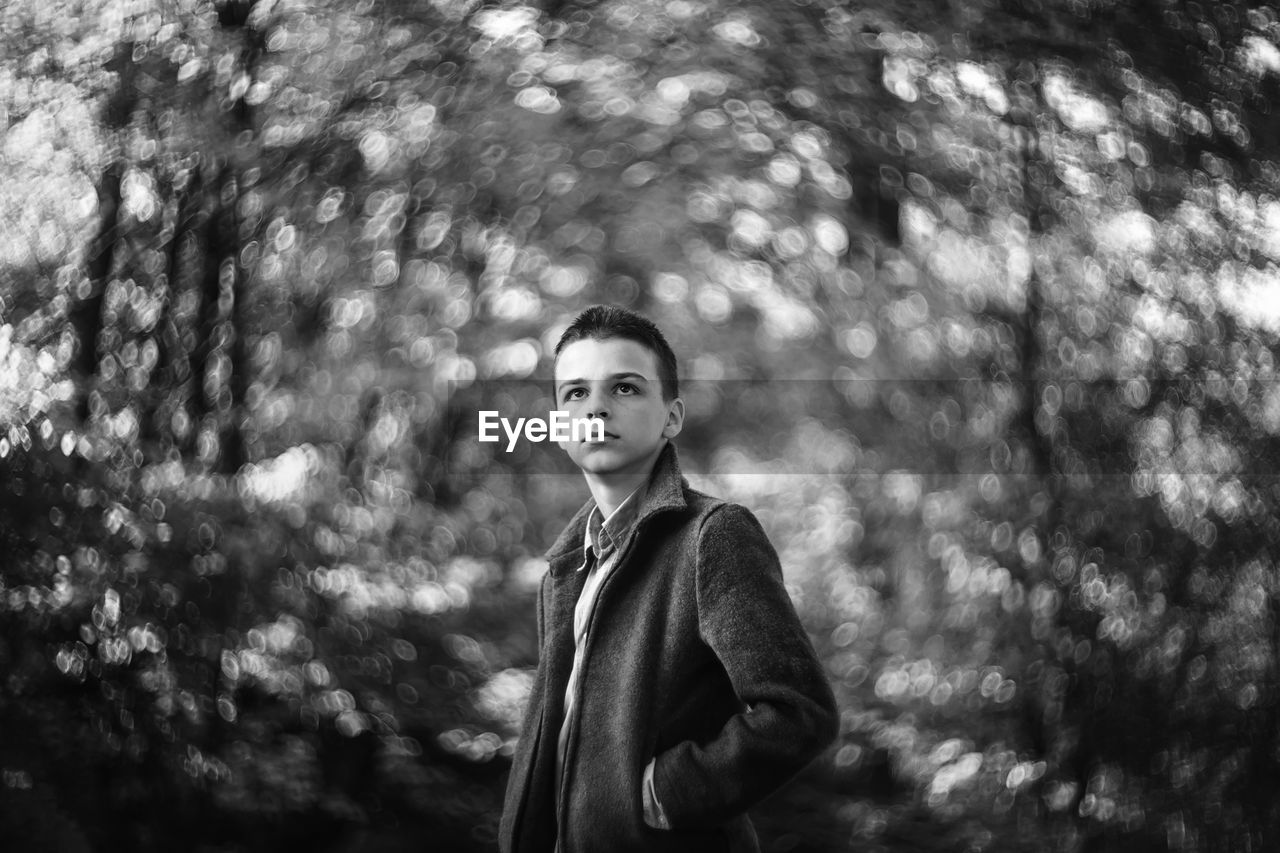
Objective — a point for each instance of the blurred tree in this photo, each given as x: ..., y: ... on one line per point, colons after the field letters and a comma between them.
x: 1109, y: 344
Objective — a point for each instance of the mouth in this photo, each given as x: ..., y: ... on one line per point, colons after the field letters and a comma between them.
x: 608, y: 436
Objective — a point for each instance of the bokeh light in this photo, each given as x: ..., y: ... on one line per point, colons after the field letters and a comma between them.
x: 977, y: 311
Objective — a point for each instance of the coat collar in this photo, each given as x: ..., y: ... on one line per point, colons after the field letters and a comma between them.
x: 665, y: 492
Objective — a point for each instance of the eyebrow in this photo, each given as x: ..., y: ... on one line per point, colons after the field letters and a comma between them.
x: 613, y: 378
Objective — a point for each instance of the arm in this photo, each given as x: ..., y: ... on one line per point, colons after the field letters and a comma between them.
x: 748, y: 620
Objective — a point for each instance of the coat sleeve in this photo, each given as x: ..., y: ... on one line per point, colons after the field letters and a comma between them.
x: 746, y: 617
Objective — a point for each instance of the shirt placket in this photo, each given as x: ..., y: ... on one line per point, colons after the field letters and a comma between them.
x: 595, y: 561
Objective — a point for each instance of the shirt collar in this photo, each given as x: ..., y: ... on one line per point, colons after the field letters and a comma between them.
x: 602, y: 534
x: 665, y: 493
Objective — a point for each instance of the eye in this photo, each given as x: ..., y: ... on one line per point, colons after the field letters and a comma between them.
x: 573, y: 394
x: 626, y: 388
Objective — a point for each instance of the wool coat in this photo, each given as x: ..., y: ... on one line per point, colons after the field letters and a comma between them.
x: 694, y: 656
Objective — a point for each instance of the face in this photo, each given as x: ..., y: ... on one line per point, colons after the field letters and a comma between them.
x: 617, y: 381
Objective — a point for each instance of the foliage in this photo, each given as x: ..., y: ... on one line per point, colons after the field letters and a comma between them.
x: 976, y: 304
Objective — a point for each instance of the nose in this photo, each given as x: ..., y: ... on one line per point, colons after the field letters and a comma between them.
x: 597, y: 406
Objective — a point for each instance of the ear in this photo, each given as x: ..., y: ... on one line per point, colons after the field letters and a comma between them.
x: 675, y: 418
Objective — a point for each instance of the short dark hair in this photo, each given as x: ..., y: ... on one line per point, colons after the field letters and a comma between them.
x: 602, y: 322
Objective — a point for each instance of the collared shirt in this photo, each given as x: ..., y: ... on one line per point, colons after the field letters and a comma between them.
x: 601, y: 549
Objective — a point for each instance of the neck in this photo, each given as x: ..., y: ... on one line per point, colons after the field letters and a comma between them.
x: 610, y: 490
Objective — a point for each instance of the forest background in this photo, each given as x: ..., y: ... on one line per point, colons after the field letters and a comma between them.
x: 978, y: 303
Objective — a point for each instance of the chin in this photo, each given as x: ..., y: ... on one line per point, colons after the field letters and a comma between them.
x: 603, y: 460
x: 598, y: 465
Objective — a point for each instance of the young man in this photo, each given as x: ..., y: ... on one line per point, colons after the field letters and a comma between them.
x: 675, y: 685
